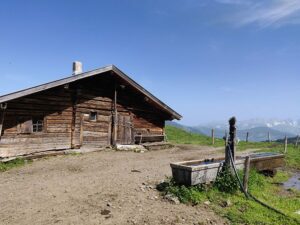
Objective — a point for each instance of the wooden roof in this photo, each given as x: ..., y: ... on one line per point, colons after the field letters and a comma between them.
x: 73, y: 78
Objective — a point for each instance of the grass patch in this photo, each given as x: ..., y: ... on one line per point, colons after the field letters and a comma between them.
x: 226, y: 182
x: 4, y: 166
x: 293, y: 157
x: 240, y: 210
x: 75, y: 154
x: 243, y: 145
x: 179, y: 136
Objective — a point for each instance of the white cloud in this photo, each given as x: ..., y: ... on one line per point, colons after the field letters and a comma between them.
x: 233, y: 2
x: 266, y: 13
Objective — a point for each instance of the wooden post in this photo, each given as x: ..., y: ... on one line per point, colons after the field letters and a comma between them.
x: 226, y: 138
x: 297, y: 141
x: 81, y: 129
x: 74, y: 111
x: 115, y: 118
x: 246, y: 173
x: 269, y: 137
x: 232, y: 136
x: 213, y: 136
x: 231, y: 142
x: 285, y: 144
x: 165, y: 136
x: 247, y: 136
x: 1, y: 122
x: 3, y: 108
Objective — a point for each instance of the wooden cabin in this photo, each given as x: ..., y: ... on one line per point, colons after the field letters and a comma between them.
x: 95, y: 109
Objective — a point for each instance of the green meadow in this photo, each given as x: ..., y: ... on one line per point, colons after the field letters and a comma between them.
x: 234, y: 205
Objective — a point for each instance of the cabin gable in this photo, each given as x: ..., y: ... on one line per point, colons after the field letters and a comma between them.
x: 93, y: 112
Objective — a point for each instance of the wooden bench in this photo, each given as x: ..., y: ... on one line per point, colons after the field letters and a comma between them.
x: 140, y: 138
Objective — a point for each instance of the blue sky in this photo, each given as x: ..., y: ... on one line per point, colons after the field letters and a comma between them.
x: 207, y: 59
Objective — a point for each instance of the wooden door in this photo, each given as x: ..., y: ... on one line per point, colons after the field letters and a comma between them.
x: 95, y: 133
x: 124, y: 130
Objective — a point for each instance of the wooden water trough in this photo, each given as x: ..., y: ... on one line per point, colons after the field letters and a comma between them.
x: 205, y: 171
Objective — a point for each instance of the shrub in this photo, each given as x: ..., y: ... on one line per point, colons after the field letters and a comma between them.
x: 226, y: 181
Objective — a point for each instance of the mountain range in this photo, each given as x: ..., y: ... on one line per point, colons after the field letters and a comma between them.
x: 258, y: 129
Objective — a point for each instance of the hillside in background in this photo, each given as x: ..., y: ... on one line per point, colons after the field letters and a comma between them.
x: 261, y: 134
x: 258, y: 129
x: 177, y: 135
x: 289, y: 126
x: 290, y: 140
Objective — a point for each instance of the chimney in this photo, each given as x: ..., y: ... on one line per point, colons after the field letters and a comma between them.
x: 77, y: 67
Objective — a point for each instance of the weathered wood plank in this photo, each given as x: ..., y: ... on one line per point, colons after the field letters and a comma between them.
x: 94, y: 134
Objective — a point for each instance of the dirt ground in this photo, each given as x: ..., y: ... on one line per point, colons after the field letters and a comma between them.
x: 105, y: 187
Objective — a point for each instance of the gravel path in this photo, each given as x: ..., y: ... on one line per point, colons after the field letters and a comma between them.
x: 105, y: 187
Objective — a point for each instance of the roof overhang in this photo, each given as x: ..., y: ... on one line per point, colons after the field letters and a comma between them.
x: 73, y: 78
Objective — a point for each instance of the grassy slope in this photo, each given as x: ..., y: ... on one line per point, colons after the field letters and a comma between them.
x: 178, y: 136
x: 243, y: 211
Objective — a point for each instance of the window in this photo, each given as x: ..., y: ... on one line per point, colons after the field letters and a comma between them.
x: 93, y: 116
x: 24, y: 125
x: 29, y: 125
x: 37, y: 125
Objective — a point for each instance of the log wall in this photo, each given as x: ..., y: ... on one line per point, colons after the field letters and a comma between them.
x: 98, y: 99
x: 147, y: 120
x: 54, y: 107
x: 66, y: 112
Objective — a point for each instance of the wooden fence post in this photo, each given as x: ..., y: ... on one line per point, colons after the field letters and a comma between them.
x: 246, y: 173
x: 247, y: 136
x: 213, y: 136
x: 226, y: 138
x: 232, y: 136
x: 231, y: 142
x: 297, y: 140
x: 285, y: 144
